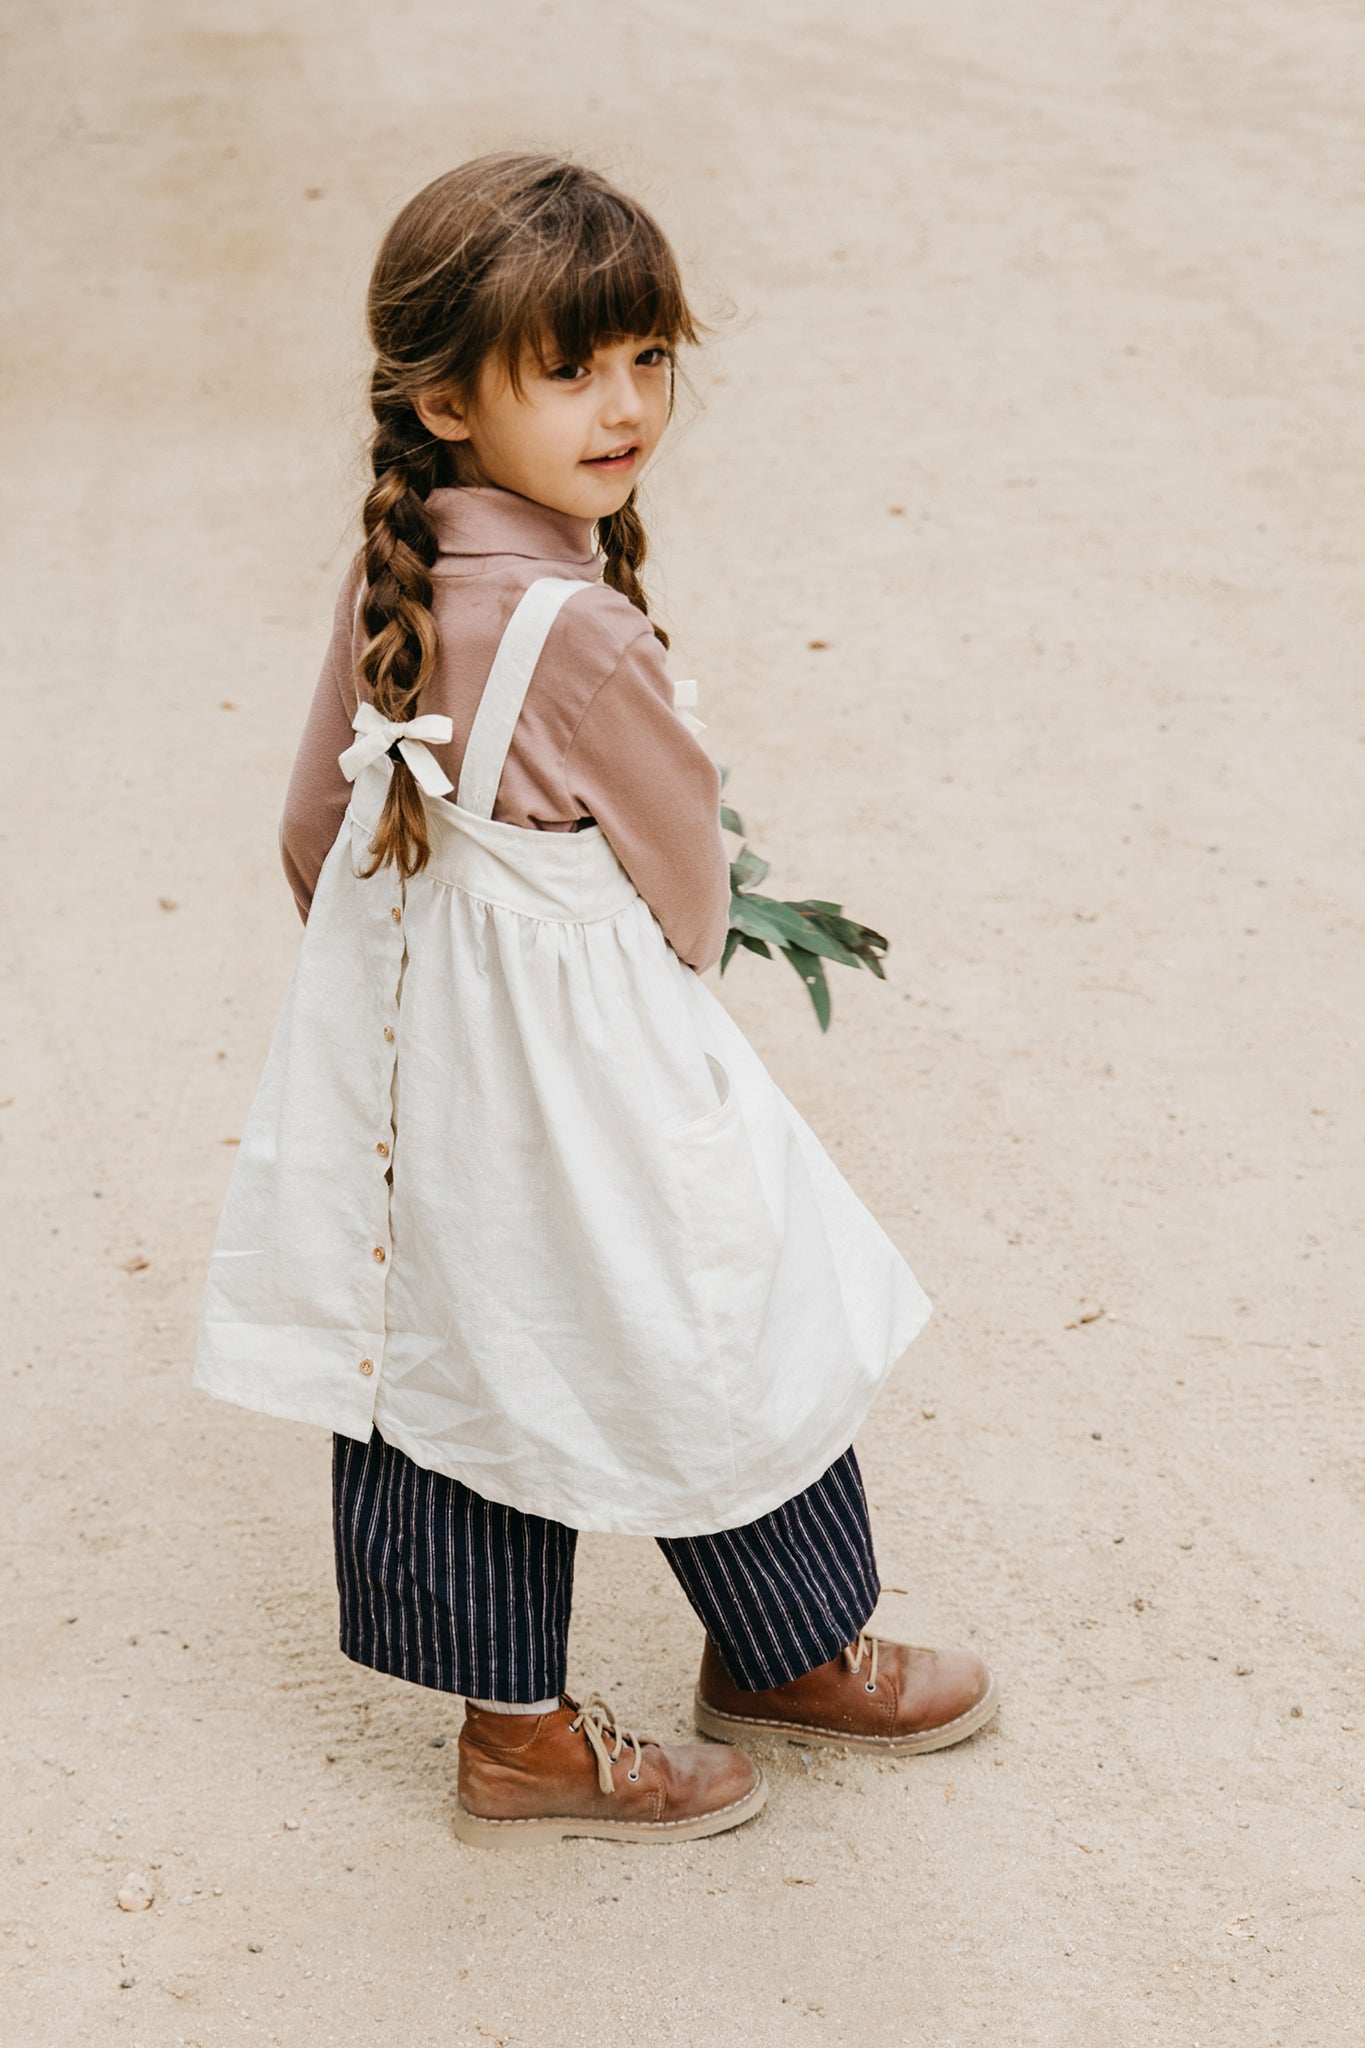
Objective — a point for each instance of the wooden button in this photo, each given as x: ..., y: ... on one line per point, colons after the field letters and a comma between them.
x: 396, y: 914
x: 367, y: 1366
x: 379, y: 1255
x: 388, y: 1034
x: 382, y: 1149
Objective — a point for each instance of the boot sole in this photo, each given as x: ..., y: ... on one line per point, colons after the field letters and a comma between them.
x: 734, y: 1728
x: 542, y: 1830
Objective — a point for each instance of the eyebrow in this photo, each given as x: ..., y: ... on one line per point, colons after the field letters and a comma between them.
x: 638, y: 341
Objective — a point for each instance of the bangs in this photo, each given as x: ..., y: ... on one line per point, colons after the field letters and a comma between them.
x: 586, y: 275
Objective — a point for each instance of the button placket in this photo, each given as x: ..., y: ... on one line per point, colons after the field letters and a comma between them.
x: 393, y: 949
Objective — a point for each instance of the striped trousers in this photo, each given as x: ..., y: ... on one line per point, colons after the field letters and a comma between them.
x: 447, y: 1589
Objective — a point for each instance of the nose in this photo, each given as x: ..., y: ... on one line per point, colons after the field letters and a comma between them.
x: 622, y: 404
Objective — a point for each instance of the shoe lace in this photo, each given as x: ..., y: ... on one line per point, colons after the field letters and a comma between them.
x: 853, y: 1658
x: 597, y: 1721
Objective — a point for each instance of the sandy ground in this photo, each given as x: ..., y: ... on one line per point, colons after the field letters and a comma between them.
x: 1036, y: 407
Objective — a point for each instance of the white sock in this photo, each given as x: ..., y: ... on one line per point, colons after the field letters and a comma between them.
x: 514, y: 1706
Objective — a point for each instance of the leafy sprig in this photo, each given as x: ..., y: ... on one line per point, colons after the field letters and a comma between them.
x: 806, y: 933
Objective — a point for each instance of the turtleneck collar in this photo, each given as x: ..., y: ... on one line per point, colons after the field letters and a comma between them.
x: 483, y: 519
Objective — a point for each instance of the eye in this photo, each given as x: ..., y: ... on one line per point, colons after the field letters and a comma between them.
x: 652, y: 358
x: 568, y: 373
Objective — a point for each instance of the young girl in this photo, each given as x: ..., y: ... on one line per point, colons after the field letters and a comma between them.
x: 518, y: 1212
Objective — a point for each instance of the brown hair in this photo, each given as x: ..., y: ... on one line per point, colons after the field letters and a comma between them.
x: 503, y: 255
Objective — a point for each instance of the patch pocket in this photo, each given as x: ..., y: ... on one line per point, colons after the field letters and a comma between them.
x: 734, y: 1244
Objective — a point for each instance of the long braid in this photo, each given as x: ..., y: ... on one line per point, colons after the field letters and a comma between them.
x: 400, y: 647
x: 622, y: 535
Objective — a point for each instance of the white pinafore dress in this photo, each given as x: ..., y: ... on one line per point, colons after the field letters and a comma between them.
x: 516, y: 1190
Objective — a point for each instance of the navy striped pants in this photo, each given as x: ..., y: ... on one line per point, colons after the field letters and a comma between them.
x: 447, y: 1589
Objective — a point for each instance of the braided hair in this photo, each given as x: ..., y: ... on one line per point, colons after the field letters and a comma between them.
x: 400, y: 630
x: 621, y: 536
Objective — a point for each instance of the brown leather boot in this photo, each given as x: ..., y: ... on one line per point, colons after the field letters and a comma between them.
x: 532, y: 1778
x: 874, y: 1695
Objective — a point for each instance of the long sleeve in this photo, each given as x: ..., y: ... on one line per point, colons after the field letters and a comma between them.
x: 318, y: 793
x: 655, y: 791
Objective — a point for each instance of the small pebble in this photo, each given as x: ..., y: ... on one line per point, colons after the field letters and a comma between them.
x: 291, y: 1825
x: 1245, y: 1670
x: 928, y: 1413
x: 126, y: 1983
x: 438, y: 1742
x: 1095, y: 1436
x: 1296, y: 1713
x: 254, y: 1948
x: 135, y: 1894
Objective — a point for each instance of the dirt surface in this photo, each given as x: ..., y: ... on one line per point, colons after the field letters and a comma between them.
x: 1035, y: 412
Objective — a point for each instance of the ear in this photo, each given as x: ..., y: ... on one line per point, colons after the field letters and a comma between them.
x: 441, y: 415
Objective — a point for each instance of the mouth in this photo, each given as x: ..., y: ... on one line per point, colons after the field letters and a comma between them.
x: 616, y: 460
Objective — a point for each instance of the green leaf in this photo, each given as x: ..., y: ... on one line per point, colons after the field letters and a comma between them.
x: 732, y: 939
x: 860, y: 937
x: 854, y: 935
x: 812, y: 971
x: 731, y: 821
x: 755, y: 945
x: 747, y: 868
x: 767, y: 919
x: 817, y: 940
x: 783, y: 923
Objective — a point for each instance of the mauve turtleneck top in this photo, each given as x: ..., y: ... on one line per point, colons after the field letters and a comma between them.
x: 597, y: 737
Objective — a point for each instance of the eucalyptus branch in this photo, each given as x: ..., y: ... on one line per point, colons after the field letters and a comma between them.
x: 806, y: 933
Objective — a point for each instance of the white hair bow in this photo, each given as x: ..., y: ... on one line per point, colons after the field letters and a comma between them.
x: 378, y: 734
x: 686, y: 693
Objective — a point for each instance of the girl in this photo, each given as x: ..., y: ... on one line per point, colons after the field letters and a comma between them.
x: 518, y: 1213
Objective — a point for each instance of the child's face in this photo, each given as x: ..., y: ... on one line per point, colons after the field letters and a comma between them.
x: 576, y: 438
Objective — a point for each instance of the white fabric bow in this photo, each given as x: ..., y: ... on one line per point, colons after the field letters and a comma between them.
x: 377, y: 735
x: 685, y: 692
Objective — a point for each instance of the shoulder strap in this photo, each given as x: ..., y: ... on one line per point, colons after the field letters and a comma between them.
x: 504, y: 693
